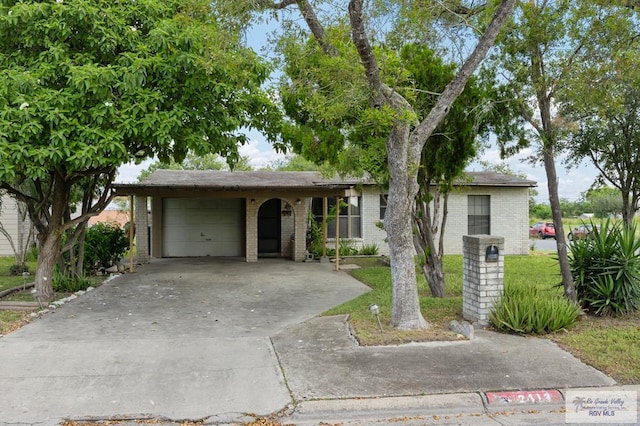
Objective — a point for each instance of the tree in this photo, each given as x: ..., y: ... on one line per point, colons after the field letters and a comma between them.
x: 349, y: 57
x: 294, y: 163
x: 605, y: 201
x: 537, y: 54
x: 210, y: 161
x: 477, y: 111
x: 88, y: 85
x: 603, y: 103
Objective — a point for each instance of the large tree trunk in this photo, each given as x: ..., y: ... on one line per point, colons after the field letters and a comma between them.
x: 50, y: 237
x: 47, y: 259
x: 406, y: 312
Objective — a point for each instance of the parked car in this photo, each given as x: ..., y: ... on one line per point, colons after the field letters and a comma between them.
x: 543, y: 230
x: 581, y: 231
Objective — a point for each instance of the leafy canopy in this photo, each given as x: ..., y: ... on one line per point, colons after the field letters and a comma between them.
x: 88, y: 85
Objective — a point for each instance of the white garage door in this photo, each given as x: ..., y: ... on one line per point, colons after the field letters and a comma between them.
x: 202, y: 227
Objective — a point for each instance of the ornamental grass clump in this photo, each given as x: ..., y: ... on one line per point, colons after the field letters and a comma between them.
x: 606, y: 269
x: 529, y: 310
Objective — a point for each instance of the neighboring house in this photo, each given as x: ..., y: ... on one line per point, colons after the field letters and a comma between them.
x: 265, y: 214
x: 117, y: 218
x: 16, y: 225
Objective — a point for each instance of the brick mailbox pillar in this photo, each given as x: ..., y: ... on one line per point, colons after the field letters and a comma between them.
x: 482, y: 277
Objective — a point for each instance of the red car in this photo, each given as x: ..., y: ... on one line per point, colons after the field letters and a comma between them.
x: 543, y: 230
x: 581, y: 231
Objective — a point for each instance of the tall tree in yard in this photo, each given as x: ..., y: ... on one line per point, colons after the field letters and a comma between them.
x: 88, y: 85
x: 603, y: 104
x: 483, y: 107
x: 537, y: 53
x: 348, y: 56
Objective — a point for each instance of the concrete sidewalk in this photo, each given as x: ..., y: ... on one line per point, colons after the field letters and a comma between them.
x: 493, y: 379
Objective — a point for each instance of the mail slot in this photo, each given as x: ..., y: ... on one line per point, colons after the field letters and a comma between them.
x: 492, y: 253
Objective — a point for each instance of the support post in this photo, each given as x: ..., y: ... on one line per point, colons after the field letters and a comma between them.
x: 338, y: 199
x: 131, y: 226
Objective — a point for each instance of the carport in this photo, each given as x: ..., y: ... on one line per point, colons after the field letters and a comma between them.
x: 201, y: 213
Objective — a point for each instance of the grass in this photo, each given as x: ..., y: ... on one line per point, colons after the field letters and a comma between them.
x: 611, y: 345
x: 12, y: 320
x: 7, y: 281
x: 365, y: 324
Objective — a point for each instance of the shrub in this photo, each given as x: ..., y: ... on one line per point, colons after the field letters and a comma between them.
x: 69, y: 284
x: 369, y: 250
x: 606, y: 269
x: 528, y: 310
x: 104, y: 244
x: 18, y: 269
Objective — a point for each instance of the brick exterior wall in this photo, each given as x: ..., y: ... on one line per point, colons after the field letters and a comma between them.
x: 142, y: 229
x: 296, y: 225
x: 509, y: 218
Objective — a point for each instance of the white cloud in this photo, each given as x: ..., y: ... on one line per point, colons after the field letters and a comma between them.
x: 260, y: 154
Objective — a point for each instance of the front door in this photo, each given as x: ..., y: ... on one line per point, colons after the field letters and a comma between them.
x: 269, y: 229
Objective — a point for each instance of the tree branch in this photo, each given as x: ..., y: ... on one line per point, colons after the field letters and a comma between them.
x: 361, y: 41
x: 316, y: 27
x: 456, y: 86
x: 275, y: 5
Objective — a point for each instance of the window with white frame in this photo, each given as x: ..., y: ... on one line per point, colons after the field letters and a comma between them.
x: 479, y: 215
x: 383, y: 205
x: 350, y: 216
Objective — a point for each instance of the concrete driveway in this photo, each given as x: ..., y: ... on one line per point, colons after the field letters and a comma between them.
x: 179, y: 338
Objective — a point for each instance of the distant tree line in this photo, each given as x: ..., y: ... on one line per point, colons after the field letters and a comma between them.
x: 601, y: 202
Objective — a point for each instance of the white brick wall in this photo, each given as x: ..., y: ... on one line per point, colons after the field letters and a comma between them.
x: 509, y: 218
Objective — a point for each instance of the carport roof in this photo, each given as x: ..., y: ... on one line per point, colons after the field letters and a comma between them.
x: 216, y: 180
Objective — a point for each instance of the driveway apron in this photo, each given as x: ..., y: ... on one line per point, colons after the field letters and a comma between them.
x: 182, y: 339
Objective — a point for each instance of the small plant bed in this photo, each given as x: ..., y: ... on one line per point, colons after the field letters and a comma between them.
x: 374, y: 273
x: 11, y: 320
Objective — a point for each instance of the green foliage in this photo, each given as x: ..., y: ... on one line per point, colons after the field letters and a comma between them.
x: 345, y: 248
x: 32, y: 254
x: 525, y: 310
x: 314, y: 235
x: 89, y: 85
x: 606, y: 269
x: 69, y: 283
x: 368, y: 250
x: 605, y: 201
x: 210, y: 161
x: 104, y: 244
x: 541, y: 211
x: 18, y: 270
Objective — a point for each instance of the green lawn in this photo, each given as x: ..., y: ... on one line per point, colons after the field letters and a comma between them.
x: 610, y: 345
x: 8, y: 281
